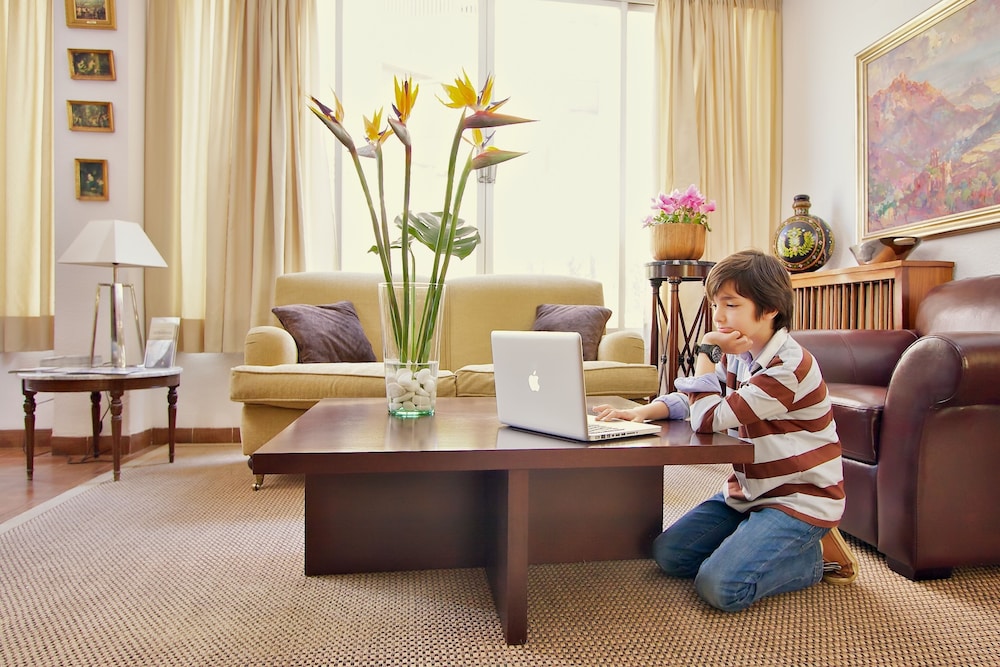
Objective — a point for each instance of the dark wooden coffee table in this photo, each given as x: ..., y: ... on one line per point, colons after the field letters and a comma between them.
x: 460, y: 490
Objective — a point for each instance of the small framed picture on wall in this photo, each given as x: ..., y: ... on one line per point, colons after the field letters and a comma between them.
x: 90, y: 116
x: 91, y: 179
x: 98, y: 14
x: 91, y: 64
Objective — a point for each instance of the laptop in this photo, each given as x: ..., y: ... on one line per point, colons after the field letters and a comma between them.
x: 540, y: 388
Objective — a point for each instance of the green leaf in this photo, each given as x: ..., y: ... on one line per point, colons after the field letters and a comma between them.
x: 425, y: 227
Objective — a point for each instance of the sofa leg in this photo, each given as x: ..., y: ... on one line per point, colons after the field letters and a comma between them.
x: 258, y: 480
x: 918, y: 575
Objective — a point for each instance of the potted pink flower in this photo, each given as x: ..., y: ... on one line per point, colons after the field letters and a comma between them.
x: 679, y: 224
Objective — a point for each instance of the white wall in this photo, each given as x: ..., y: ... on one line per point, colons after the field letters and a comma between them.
x: 821, y: 40
x: 203, y: 397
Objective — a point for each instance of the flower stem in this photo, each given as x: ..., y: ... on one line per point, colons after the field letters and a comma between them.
x: 405, y: 260
x: 445, y: 210
x: 453, y: 218
x: 380, y: 240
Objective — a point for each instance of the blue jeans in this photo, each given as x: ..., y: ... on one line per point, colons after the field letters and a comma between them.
x: 736, y: 558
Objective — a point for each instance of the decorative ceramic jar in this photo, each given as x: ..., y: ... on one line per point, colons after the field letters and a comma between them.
x: 677, y: 240
x: 804, y: 242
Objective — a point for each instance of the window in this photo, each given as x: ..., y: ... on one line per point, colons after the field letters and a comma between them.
x: 582, y: 68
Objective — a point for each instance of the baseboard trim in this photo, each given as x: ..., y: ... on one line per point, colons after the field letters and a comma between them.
x: 131, y: 443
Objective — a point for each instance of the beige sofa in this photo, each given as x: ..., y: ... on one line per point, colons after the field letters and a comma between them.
x: 275, y: 389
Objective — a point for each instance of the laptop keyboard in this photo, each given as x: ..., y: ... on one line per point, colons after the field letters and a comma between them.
x: 600, y: 427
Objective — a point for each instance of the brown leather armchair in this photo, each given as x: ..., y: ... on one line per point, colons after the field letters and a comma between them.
x: 918, y: 414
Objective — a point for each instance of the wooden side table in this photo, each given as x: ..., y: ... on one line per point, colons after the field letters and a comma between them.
x: 670, y: 356
x: 95, y: 381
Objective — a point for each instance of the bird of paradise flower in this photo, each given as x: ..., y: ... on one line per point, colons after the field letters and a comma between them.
x: 443, y: 232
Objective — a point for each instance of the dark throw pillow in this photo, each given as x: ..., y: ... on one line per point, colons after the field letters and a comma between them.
x: 327, y: 333
x: 589, y: 321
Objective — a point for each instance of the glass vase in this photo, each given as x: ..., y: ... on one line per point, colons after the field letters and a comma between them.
x: 412, y: 314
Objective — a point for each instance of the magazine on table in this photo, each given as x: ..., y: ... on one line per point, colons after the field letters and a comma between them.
x: 161, y: 343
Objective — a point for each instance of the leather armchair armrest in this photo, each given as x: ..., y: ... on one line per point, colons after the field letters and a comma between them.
x: 946, y: 370
x: 269, y: 346
x: 624, y: 346
x: 856, y: 356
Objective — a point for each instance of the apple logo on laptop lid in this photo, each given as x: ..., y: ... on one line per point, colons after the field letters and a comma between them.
x: 533, y: 382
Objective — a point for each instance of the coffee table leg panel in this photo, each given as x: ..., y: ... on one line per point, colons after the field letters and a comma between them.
x: 507, y: 569
x: 394, y: 521
x: 594, y: 514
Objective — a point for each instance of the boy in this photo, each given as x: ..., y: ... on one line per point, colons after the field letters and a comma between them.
x: 772, y: 529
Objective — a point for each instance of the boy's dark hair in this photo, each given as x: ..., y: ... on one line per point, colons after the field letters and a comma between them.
x: 758, y: 277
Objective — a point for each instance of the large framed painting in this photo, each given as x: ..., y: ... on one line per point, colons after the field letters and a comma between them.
x: 929, y: 124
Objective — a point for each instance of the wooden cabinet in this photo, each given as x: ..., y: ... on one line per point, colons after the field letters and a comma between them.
x: 872, y: 296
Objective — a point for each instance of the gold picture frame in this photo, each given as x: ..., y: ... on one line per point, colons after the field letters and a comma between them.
x: 91, y: 178
x: 926, y: 166
x: 98, y: 14
x: 86, y: 116
x: 91, y: 64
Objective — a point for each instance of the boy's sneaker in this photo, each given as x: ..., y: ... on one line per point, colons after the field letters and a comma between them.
x: 840, y: 565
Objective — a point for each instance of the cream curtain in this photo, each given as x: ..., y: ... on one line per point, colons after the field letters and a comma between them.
x: 26, y: 279
x: 719, y: 120
x: 226, y: 159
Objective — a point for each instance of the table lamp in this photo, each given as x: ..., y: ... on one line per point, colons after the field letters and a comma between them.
x: 114, y: 243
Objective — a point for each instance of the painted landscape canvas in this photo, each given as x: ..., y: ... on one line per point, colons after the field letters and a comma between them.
x: 932, y: 125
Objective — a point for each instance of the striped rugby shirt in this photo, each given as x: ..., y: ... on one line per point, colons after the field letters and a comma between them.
x: 779, y: 402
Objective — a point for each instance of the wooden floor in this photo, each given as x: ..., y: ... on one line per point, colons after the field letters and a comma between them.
x: 53, y: 475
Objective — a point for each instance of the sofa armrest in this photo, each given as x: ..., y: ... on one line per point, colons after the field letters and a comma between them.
x: 269, y: 346
x: 624, y: 346
x: 856, y: 356
x: 945, y: 371
x: 938, y: 455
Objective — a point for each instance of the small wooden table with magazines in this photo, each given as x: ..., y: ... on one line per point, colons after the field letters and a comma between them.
x: 96, y: 380
x: 458, y: 490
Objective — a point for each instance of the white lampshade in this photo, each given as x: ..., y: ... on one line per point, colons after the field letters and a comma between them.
x: 112, y: 243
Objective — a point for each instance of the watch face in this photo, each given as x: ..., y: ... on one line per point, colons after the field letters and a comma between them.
x: 714, y: 352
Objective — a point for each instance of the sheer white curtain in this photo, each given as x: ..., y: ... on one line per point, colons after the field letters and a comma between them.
x: 226, y: 158
x: 26, y: 280
x: 719, y: 120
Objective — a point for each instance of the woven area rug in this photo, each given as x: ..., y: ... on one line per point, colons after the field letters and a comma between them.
x: 184, y: 564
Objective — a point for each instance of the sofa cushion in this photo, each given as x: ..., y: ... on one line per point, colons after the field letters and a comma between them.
x: 588, y: 321
x: 301, y: 385
x: 857, y: 410
x: 602, y: 378
x: 327, y: 333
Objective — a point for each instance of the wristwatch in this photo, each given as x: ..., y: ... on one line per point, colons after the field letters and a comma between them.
x: 714, y: 352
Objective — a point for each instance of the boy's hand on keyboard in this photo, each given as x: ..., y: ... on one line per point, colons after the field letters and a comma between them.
x: 607, y: 413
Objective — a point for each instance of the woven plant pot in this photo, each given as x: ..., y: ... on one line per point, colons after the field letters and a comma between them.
x: 677, y: 241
